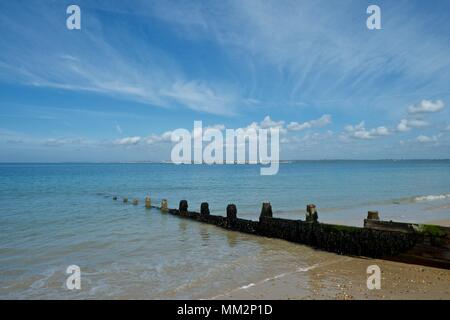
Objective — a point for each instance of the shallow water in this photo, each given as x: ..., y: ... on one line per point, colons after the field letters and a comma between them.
x: 56, y: 215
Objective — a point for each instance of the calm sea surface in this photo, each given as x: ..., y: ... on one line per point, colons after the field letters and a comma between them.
x: 56, y: 215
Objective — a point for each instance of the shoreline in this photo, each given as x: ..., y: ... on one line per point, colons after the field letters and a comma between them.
x: 345, y: 278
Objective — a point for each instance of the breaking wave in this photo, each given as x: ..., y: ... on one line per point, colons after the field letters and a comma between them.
x: 433, y: 197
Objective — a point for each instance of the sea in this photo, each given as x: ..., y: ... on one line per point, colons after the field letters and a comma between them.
x: 57, y: 215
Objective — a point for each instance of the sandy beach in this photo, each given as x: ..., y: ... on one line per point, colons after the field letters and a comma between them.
x: 345, y: 278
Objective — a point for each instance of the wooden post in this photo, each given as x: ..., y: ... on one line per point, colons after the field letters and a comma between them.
x: 183, y: 207
x: 135, y: 201
x: 148, y: 202
x: 311, y: 213
x: 231, y: 212
x: 114, y: 198
x: 373, y: 215
x: 164, y: 205
x: 204, y: 209
x: 125, y: 200
x: 266, y: 211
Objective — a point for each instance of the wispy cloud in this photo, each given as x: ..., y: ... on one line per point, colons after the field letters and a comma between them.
x: 226, y: 62
x: 91, y: 60
x: 334, y: 60
x: 199, y: 96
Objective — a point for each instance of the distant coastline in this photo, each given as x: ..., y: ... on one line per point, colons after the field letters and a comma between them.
x: 170, y: 162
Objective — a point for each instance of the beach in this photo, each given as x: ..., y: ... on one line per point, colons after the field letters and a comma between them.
x: 344, y: 278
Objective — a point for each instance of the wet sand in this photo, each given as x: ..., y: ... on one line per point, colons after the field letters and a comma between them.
x: 345, y: 278
x: 444, y: 223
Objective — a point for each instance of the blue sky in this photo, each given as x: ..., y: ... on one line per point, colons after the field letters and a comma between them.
x: 136, y: 70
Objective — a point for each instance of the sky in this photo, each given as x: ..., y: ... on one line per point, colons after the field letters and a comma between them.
x: 137, y: 70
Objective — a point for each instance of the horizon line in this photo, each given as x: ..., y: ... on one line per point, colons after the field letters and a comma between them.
x: 248, y: 163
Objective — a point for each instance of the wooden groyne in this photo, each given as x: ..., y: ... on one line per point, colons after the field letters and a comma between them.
x: 405, y: 242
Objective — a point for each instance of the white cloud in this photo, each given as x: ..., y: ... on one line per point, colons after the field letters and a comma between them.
x: 268, y: 123
x: 381, y: 131
x: 359, y: 131
x: 426, y: 139
x: 128, y: 141
x: 167, y: 136
x: 164, y: 137
x: 427, y: 106
x: 406, y: 125
x: 295, y: 126
x: 321, y: 122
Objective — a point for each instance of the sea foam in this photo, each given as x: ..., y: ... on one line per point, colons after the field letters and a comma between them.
x: 433, y: 197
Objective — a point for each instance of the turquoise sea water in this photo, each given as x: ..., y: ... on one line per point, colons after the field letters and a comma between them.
x: 56, y: 215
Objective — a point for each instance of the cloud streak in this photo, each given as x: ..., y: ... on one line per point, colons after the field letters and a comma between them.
x: 93, y: 61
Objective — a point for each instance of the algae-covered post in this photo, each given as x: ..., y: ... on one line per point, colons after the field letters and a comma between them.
x: 148, y: 202
x: 183, y: 207
x: 125, y: 200
x: 135, y: 202
x: 373, y: 215
x: 164, y: 205
x: 231, y: 212
x: 311, y: 213
x: 204, y: 209
x: 266, y: 211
